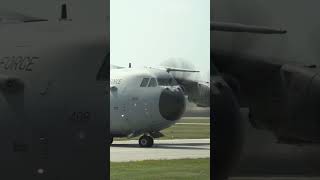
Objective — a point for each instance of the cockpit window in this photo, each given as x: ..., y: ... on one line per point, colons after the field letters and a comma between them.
x: 144, y: 82
x: 152, y: 83
x: 167, y: 82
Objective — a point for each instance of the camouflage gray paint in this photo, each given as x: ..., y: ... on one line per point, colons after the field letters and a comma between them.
x: 53, y: 110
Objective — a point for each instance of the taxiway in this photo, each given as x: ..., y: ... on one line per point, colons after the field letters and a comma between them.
x: 124, y: 151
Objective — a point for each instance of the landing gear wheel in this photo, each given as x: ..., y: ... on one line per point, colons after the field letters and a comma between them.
x: 146, y: 141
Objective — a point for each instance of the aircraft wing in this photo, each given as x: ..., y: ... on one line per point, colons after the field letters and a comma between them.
x: 14, y: 18
x: 237, y: 27
x: 172, y: 69
x: 198, y: 92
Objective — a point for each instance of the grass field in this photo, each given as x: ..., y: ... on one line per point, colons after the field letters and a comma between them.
x: 185, y: 131
x: 195, y: 120
x: 183, y: 169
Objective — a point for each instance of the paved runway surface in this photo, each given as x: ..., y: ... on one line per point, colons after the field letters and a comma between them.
x: 123, y: 151
x: 203, y: 124
x: 275, y: 178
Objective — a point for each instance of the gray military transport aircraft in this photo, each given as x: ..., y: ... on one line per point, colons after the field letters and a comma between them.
x: 53, y: 105
x: 148, y: 100
x: 266, y: 54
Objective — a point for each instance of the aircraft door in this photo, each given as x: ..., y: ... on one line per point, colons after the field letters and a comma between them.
x: 149, y: 103
x: 14, y: 137
x: 148, y: 108
x: 124, y: 115
x: 140, y: 111
x: 134, y: 112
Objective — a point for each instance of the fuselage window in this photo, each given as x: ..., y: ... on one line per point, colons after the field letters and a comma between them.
x: 152, y: 83
x: 144, y: 82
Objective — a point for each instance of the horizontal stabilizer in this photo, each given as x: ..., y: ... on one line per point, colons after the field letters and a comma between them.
x: 14, y: 18
x: 237, y: 27
x: 116, y: 67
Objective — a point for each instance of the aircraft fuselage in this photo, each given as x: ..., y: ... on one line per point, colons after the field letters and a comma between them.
x: 53, y: 109
x: 137, y: 101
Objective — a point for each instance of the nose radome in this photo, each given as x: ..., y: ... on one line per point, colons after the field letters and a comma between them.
x: 172, y: 104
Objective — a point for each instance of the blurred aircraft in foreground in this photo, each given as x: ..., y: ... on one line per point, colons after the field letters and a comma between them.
x: 268, y: 56
x: 53, y: 108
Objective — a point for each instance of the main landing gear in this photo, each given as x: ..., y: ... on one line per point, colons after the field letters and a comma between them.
x: 146, y: 141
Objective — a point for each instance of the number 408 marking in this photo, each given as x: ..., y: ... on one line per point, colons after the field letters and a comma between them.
x: 80, y: 116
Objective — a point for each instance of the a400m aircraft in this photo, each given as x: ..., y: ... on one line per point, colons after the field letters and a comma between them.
x: 267, y: 54
x: 54, y: 103
x: 148, y: 100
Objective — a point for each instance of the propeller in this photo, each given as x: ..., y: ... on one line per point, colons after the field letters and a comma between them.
x: 197, y: 90
x: 181, y: 64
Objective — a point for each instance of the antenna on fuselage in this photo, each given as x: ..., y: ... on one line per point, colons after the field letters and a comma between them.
x: 64, y: 12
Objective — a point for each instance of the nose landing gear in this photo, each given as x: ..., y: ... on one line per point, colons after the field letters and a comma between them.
x: 146, y: 141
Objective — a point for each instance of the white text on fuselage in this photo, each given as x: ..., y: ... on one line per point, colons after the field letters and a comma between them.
x: 115, y: 81
x: 18, y: 63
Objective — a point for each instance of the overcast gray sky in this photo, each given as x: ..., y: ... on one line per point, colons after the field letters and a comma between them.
x: 148, y: 32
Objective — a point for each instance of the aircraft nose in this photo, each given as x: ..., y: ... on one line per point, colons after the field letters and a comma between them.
x: 172, y: 104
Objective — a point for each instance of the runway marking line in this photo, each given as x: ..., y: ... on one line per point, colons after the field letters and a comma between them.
x: 198, y: 118
x: 204, y: 124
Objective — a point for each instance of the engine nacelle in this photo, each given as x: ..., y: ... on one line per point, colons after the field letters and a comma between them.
x: 301, y: 98
x: 199, y: 95
x: 287, y: 103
